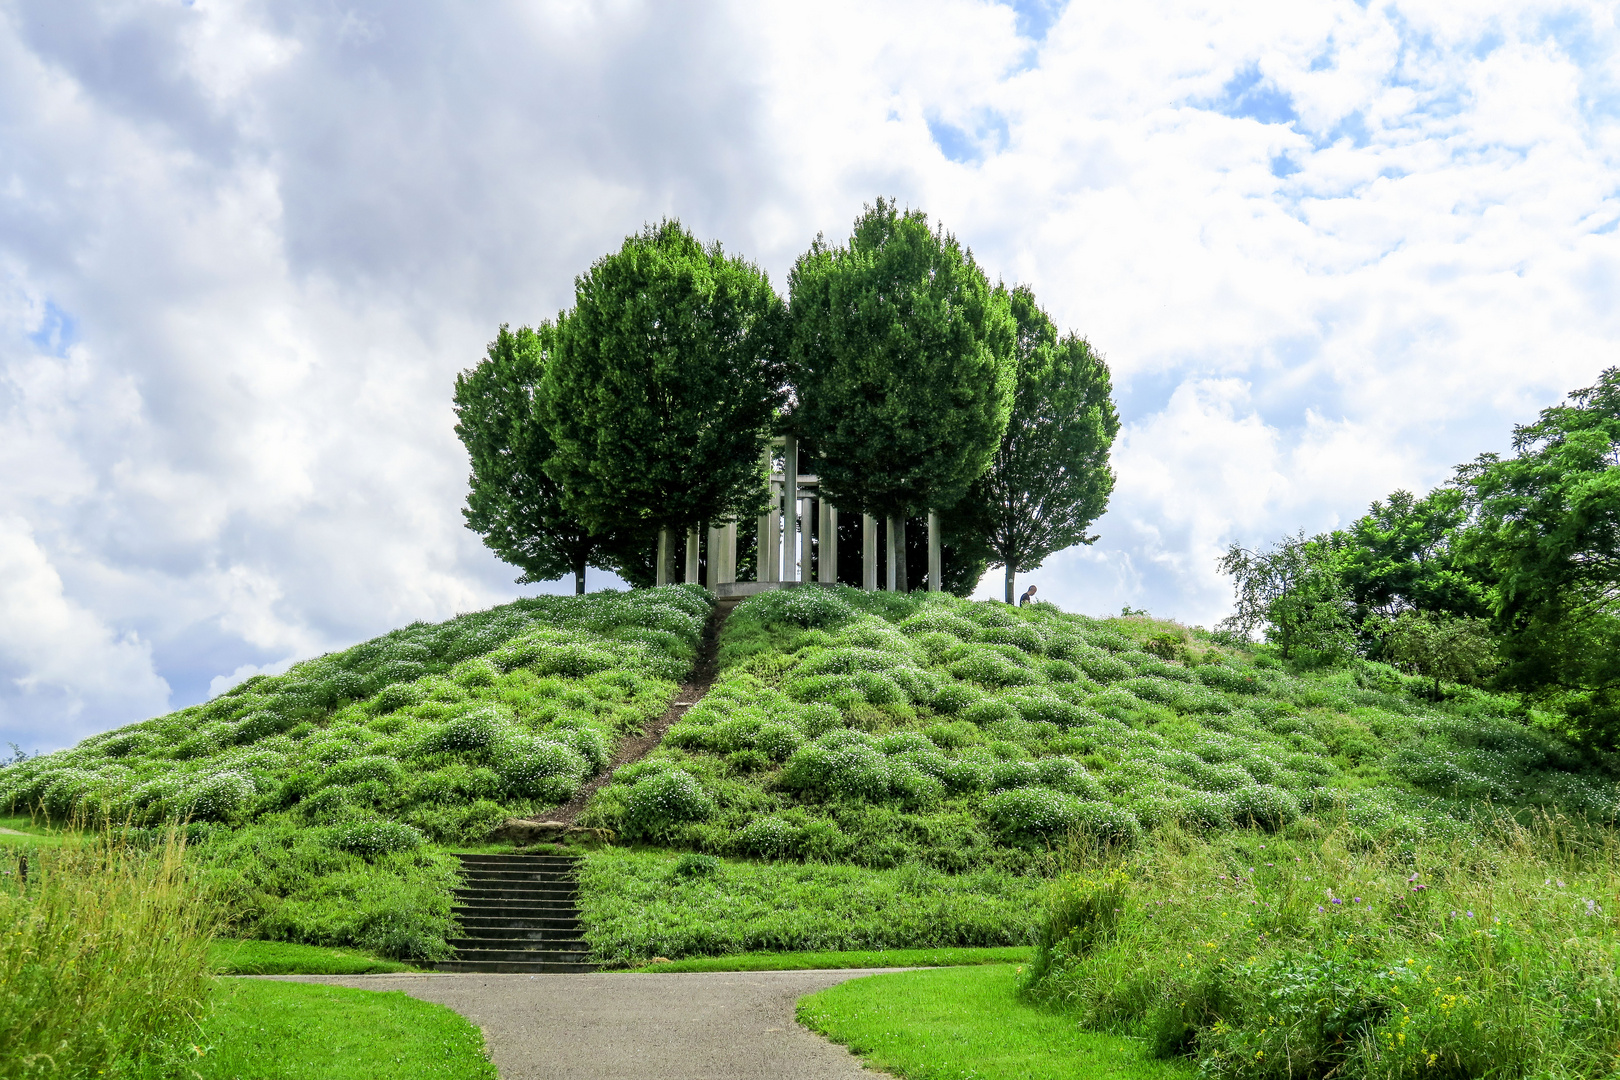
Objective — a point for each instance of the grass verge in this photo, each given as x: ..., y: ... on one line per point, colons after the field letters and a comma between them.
x: 103, y: 959
x: 230, y: 957
x: 865, y: 958
x: 968, y: 1021
x: 262, y: 1030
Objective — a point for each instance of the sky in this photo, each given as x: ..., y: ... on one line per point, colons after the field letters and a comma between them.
x: 1328, y: 249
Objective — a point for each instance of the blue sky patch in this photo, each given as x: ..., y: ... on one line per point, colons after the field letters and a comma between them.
x: 970, y: 148
x: 1249, y: 96
x: 57, y: 331
x: 1035, y: 17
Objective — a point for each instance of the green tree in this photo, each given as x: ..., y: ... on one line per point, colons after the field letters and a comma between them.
x: 1403, y: 554
x: 902, y: 360
x: 1439, y: 646
x: 1049, y: 479
x: 1547, y: 526
x: 664, y: 384
x: 1292, y: 592
x: 511, y: 502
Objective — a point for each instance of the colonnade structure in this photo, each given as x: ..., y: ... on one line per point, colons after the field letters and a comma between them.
x: 798, y: 531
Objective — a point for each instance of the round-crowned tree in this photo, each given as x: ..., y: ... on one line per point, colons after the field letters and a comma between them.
x: 664, y: 384
x: 1049, y: 478
x: 511, y: 501
x: 902, y: 361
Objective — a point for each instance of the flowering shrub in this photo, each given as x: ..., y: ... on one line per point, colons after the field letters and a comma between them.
x: 663, y: 800
x: 372, y: 837
x: 1033, y: 813
x: 769, y: 836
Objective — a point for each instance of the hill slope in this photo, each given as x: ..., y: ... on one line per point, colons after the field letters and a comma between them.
x: 887, y: 770
x: 321, y: 795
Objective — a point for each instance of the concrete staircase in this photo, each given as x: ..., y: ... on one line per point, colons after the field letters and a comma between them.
x: 517, y: 914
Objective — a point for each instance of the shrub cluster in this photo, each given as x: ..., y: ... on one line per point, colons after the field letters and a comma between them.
x: 1483, y: 953
x: 433, y: 732
x: 972, y: 730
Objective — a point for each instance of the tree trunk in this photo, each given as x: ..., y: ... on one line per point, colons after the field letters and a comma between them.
x: 579, y: 575
x: 1010, y: 574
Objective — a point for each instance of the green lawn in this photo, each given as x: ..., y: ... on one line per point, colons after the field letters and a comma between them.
x: 32, y: 833
x: 227, y: 956
x: 872, y: 958
x: 263, y: 1030
x: 949, y: 1023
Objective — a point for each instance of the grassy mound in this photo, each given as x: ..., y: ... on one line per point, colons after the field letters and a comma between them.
x: 882, y: 732
x: 317, y: 800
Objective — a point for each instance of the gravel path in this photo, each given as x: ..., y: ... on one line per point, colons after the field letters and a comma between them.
x: 686, y: 1026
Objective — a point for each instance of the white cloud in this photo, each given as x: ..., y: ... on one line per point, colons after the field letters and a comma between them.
x: 245, y: 247
x: 66, y: 673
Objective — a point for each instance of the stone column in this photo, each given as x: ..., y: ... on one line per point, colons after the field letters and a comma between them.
x: 728, y: 554
x: 666, y: 541
x: 693, y: 555
x: 806, y: 548
x: 713, y: 541
x: 934, y: 582
x: 827, y: 556
x: 773, y: 537
x: 762, y: 560
x: 869, y: 553
x: 901, y: 581
x: 891, y: 533
x: 790, y: 507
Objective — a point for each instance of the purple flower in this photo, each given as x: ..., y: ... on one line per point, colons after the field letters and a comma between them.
x: 1336, y: 900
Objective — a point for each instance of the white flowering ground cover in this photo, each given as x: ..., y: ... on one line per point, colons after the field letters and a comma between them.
x: 320, y: 801
x: 880, y: 732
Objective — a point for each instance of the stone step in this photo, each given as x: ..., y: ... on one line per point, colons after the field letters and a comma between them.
x: 516, y: 892
x: 517, y: 876
x: 490, y: 938
x: 518, y: 913
x: 506, y: 967
x: 558, y: 910
x: 523, y: 956
x: 569, y: 923
x: 498, y: 862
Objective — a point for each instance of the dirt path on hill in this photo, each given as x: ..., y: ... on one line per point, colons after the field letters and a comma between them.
x: 691, y: 692
x: 688, y: 1026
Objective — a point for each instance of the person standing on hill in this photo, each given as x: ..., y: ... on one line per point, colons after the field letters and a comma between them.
x: 1028, y: 597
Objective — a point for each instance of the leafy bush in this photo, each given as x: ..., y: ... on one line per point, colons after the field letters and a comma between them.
x: 663, y: 800
x: 371, y: 837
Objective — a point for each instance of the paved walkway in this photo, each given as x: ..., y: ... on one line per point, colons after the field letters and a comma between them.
x: 686, y: 1026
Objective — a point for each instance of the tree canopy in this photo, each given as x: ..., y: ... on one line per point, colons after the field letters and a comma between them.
x: 902, y: 362
x: 511, y: 501
x: 664, y: 384
x: 1547, y: 530
x: 1049, y: 479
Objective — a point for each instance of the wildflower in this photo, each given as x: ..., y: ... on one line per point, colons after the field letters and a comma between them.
x: 1336, y: 900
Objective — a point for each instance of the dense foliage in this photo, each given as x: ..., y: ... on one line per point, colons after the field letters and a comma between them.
x: 1468, y: 952
x: 512, y: 502
x: 664, y: 384
x: 902, y: 363
x: 1511, y: 574
x: 1049, y: 479
x: 318, y: 796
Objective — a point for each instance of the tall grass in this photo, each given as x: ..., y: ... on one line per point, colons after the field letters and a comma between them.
x: 103, y: 959
x: 1317, y: 953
